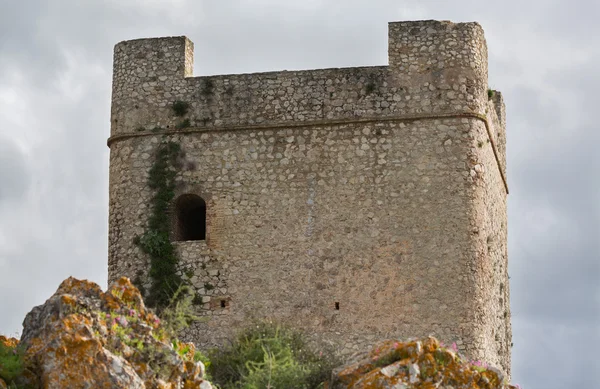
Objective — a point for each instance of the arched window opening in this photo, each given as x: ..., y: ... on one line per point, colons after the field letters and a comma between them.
x: 190, y: 211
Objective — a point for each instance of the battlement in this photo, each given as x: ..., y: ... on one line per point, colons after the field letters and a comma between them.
x: 434, y: 68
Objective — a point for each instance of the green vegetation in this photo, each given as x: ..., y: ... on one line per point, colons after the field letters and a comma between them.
x: 200, y: 357
x: 478, y: 366
x: 372, y: 83
x: 179, y: 314
x: 11, y: 364
x: 155, y: 241
x: 386, y: 360
x: 197, y: 300
x: 270, y: 356
x: 180, y: 108
x: 208, y: 87
x: 443, y: 357
x: 124, y: 325
x: 370, y: 88
x: 490, y: 93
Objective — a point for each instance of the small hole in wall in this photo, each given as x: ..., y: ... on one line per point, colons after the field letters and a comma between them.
x: 337, y: 306
x: 223, y: 303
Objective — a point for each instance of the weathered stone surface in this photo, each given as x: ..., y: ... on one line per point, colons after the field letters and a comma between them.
x: 415, y: 364
x: 84, y: 338
x: 357, y: 204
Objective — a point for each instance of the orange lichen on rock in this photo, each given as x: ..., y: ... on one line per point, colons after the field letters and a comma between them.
x: 422, y: 364
x: 127, y: 294
x: 82, y: 337
x: 9, y: 342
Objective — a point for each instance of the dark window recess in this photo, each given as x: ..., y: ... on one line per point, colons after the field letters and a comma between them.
x: 223, y: 304
x: 190, y: 211
x: 337, y: 306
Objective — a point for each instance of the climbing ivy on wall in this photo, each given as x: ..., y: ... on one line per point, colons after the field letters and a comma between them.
x: 156, y: 241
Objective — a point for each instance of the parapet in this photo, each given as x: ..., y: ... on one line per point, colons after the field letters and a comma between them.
x: 435, y: 68
x: 143, y: 67
x: 442, y: 58
x: 431, y: 49
x: 154, y: 57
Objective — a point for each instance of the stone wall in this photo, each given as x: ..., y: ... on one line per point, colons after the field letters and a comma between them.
x: 492, y: 317
x: 355, y: 203
x: 449, y: 76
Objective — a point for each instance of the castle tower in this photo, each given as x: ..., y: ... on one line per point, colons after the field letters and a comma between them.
x: 356, y: 204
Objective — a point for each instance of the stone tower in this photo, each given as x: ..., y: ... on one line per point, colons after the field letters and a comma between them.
x: 355, y: 203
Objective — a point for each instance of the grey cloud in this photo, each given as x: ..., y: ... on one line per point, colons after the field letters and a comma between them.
x: 554, y: 355
x: 14, y: 173
x: 554, y: 219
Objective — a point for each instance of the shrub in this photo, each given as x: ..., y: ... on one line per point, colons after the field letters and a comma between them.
x: 199, y: 356
x: 11, y: 363
x: 268, y: 355
x: 179, y: 314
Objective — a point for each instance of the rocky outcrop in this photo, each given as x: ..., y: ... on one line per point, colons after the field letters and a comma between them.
x: 416, y: 364
x: 84, y: 338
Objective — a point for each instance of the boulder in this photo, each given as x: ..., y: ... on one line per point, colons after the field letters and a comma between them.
x: 415, y: 364
x: 82, y: 337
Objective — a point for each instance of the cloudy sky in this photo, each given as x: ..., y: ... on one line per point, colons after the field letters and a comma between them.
x: 55, y: 83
